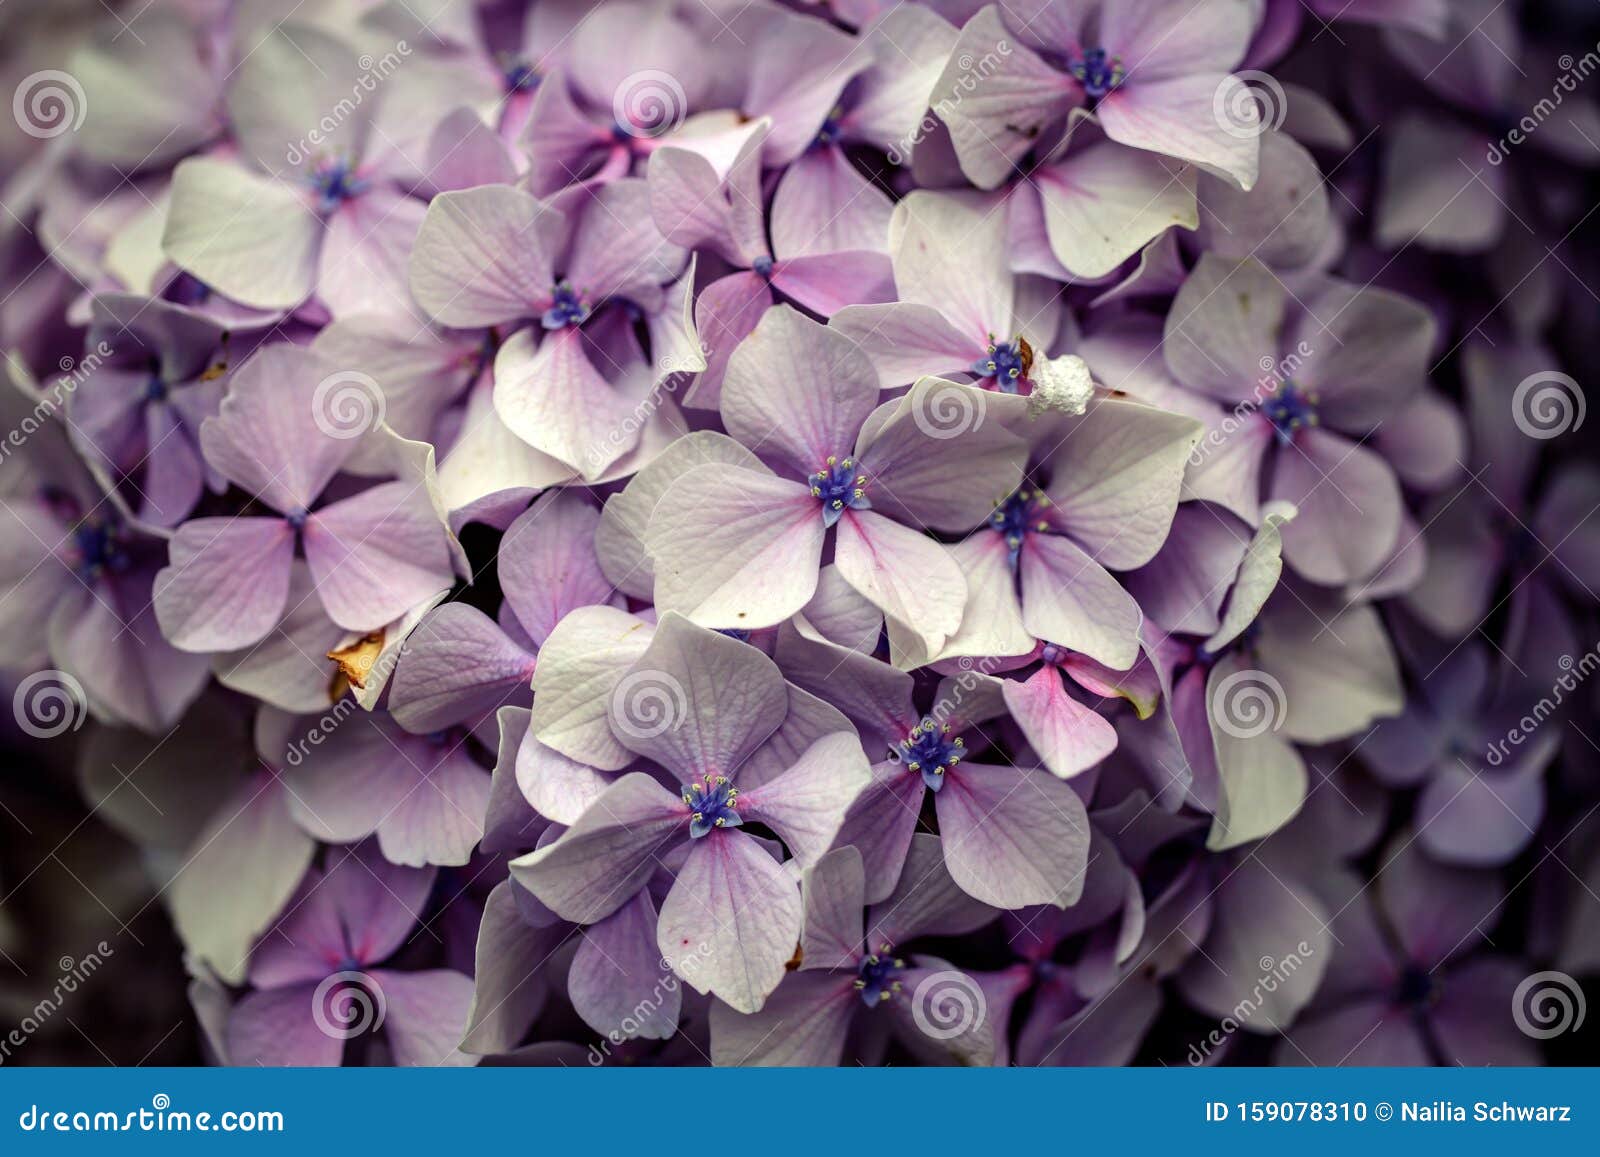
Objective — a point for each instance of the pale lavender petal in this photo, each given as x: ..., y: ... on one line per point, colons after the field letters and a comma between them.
x: 1013, y: 836
x: 547, y: 562
x: 732, y: 920
x: 1066, y: 735
x: 426, y: 1015
x: 456, y: 665
x: 378, y: 555
x: 484, y: 256
x: 1071, y: 600
x: 601, y: 861
x: 803, y: 1023
x: 697, y: 702
x: 227, y: 582
x: 734, y: 549
x: 797, y: 392
x: 1176, y: 116
x: 806, y: 805
x: 619, y: 982
x: 246, y: 236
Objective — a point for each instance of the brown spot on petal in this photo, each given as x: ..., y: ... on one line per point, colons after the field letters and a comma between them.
x: 796, y: 959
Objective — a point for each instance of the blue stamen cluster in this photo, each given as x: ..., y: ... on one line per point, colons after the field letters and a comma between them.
x: 1006, y: 364
x: 335, y: 182
x: 837, y: 486
x: 1290, y: 410
x: 930, y: 749
x: 1099, y: 73
x: 878, y: 977
x: 1017, y: 517
x: 566, y: 308
x: 712, y: 805
x: 99, y: 547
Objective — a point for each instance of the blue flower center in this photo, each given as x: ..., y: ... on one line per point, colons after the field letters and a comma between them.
x: 1054, y: 655
x: 1098, y: 73
x: 878, y: 977
x: 98, y: 546
x: 762, y: 267
x: 297, y: 518
x: 1019, y: 516
x: 1005, y: 364
x: 519, y: 75
x: 566, y: 307
x: 837, y: 486
x: 712, y: 805
x: 335, y: 182
x: 929, y: 748
x: 155, y: 389
x: 830, y: 131
x: 1290, y: 410
x: 186, y: 289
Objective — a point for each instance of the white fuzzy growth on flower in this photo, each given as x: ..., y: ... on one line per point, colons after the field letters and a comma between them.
x: 1062, y: 383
